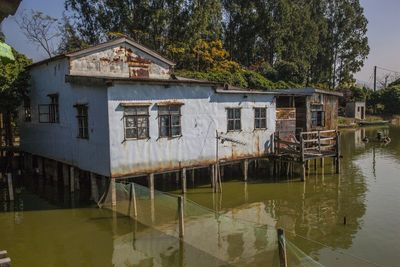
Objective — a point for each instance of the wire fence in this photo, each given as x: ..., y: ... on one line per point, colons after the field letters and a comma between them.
x: 214, y: 238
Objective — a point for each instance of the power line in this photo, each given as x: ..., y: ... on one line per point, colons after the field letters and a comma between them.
x: 386, y: 69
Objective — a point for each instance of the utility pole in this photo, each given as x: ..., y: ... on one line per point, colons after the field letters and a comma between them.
x: 375, y: 78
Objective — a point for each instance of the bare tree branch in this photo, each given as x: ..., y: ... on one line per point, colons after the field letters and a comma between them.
x: 40, y: 29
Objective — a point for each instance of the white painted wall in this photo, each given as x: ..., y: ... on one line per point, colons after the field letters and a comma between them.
x: 59, y: 141
x: 203, y: 112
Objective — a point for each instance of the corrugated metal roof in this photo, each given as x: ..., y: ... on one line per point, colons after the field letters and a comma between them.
x: 306, y: 91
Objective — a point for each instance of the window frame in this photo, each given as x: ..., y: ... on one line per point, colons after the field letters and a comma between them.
x: 260, y: 119
x: 136, y: 116
x: 84, y: 119
x: 170, y: 117
x: 320, y: 116
x: 54, y: 115
x: 235, y: 120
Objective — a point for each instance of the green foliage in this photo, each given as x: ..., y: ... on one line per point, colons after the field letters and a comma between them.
x: 303, y: 41
x: 242, y: 78
x: 390, y: 98
x: 14, y: 82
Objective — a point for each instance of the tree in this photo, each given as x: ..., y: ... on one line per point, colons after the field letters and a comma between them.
x: 70, y: 39
x: 14, y: 82
x: 40, y: 29
x: 347, y: 40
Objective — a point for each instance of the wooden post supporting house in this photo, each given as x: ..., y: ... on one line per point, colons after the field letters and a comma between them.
x: 183, y: 181
x: 245, y: 169
x: 151, y: 185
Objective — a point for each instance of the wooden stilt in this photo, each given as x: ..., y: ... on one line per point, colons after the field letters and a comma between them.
x: 321, y: 163
x: 193, y: 175
x: 315, y: 164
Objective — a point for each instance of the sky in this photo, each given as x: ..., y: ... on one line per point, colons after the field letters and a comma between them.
x: 383, y: 35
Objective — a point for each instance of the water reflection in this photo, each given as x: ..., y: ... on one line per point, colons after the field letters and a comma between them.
x: 366, y: 192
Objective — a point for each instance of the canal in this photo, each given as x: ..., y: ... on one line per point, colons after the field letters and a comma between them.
x: 349, y: 219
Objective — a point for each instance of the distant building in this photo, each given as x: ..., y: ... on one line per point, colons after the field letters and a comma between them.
x: 355, y: 110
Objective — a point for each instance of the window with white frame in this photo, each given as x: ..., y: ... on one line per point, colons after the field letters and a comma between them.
x: 260, y: 118
x: 169, y: 120
x: 234, y: 119
x: 136, y: 122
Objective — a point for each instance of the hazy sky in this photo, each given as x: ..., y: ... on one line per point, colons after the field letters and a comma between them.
x: 383, y: 33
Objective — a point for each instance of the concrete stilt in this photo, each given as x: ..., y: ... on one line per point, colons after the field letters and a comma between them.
x: 184, y: 181
x: 72, y: 179
x: 113, y: 192
x: 245, y: 169
x: 151, y: 185
x: 94, y: 189
x: 303, y: 172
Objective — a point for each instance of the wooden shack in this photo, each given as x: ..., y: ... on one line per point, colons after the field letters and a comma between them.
x: 307, y: 109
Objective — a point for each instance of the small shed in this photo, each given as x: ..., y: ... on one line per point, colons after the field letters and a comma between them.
x: 355, y: 110
x: 308, y: 109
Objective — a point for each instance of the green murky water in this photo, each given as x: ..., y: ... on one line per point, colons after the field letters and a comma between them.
x: 41, y: 232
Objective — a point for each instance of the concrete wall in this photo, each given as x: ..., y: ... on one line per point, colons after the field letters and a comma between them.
x: 119, y: 61
x: 59, y: 141
x: 203, y: 112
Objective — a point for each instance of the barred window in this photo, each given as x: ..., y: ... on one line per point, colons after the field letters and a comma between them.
x: 234, y: 119
x: 83, y: 128
x: 169, y: 120
x: 53, y: 109
x: 260, y: 118
x: 136, y: 122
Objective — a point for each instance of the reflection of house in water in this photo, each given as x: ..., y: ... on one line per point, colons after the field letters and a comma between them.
x: 359, y: 135
x: 209, y: 240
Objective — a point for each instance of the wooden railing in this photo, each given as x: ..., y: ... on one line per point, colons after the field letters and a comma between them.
x: 311, y: 145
